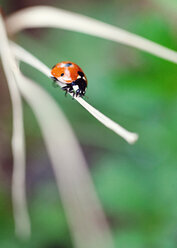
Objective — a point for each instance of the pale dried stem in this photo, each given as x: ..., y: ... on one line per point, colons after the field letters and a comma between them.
x: 26, y: 57
x: 45, y: 16
x: 22, y: 223
x: 126, y: 135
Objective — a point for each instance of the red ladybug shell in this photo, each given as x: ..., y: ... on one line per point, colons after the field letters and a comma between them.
x: 67, y: 72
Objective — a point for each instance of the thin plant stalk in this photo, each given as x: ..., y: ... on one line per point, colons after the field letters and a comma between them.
x: 46, y: 16
x: 28, y: 58
x: 22, y: 223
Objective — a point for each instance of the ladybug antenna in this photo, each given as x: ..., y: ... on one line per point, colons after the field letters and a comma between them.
x: 56, y: 80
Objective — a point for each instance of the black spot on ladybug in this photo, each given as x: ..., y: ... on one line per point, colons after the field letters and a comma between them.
x: 80, y: 73
x: 68, y: 64
x: 53, y: 66
x: 62, y: 74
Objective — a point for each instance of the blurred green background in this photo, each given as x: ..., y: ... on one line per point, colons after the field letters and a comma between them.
x: 137, y: 184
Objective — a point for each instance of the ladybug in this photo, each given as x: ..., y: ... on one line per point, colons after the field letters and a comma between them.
x: 71, y: 76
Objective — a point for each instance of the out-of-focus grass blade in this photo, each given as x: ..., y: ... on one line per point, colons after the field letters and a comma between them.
x: 84, y: 212
x: 46, y: 16
x: 22, y: 222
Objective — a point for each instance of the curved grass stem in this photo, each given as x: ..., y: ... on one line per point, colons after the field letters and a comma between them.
x: 46, y: 16
x: 22, y: 222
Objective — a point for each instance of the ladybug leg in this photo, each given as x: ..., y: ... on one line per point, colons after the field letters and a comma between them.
x: 81, y: 94
x: 65, y: 88
x: 66, y: 92
x: 68, y: 88
x: 55, y: 85
x: 71, y: 90
x: 73, y: 95
x: 78, y: 92
x: 54, y: 78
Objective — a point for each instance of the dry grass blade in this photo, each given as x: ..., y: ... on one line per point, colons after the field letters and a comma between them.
x: 22, y: 223
x: 45, y: 16
x: 126, y: 135
x: 25, y: 56
x: 85, y: 215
